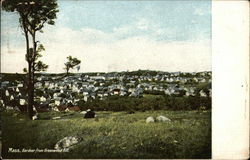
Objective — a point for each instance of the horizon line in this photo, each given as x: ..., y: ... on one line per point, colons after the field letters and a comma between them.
x: 108, y: 72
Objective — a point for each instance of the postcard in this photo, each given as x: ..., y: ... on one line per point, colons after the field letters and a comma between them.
x: 107, y: 79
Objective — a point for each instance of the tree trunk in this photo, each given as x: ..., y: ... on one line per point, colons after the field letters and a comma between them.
x: 29, y: 83
x: 30, y: 92
x: 32, y: 86
x: 67, y: 70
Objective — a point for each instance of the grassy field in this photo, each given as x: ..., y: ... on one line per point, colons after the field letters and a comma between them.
x: 112, y: 135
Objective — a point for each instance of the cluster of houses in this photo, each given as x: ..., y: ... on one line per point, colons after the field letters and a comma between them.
x: 54, y: 91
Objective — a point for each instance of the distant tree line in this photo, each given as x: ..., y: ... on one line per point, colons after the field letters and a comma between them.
x: 116, y: 103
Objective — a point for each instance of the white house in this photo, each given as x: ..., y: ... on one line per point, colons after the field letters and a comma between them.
x: 70, y: 101
x: 42, y: 99
x: 7, y: 93
x: 55, y: 95
x: 55, y: 109
x: 116, y: 92
x: 22, y: 102
x: 47, y: 83
x: 85, y: 98
x: 203, y: 80
x: 100, y: 95
x: 75, y: 88
x: 202, y: 93
x: 122, y: 93
x: 85, y: 93
x: 11, y: 97
x: 20, y: 85
x: 131, y: 90
x: 66, y: 110
x: 210, y: 92
x: 57, y: 101
x: 195, y: 79
x: 183, y: 80
x: 1, y: 102
x: 61, y: 87
x: 51, y: 86
x: 167, y: 92
x: 97, y: 77
x: 187, y: 93
x: 38, y: 84
x: 17, y: 89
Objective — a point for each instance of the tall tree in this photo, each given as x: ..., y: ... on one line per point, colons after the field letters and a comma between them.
x: 71, y: 63
x: 33, y: 15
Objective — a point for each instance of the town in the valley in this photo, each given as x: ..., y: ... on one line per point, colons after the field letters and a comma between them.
x: 52, y: 91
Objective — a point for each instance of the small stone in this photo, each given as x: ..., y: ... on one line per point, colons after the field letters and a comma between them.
x: 56, y: 118
x: 162, y: 119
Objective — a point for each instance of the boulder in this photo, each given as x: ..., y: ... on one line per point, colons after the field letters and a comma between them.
x: 89, y: 114
x: 150, y: 120
x: 67, y: 142
x: 162, y: 119
x: 83, y: 112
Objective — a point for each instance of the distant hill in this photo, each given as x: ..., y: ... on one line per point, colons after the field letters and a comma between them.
x: 21, y: 76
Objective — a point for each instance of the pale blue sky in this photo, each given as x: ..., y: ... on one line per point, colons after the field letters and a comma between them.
x: 187, y: 19
x: 114, y: 21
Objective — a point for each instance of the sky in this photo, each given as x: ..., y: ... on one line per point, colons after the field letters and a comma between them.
x: 117, y: 36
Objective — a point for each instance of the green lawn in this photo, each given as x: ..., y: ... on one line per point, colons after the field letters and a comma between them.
x: 112, y: 135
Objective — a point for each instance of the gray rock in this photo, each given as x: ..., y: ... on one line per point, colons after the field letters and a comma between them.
x: 150, y: 120
x: 56, y: 118
x: 83, y: 112
x: 67, y: 142
x: 162, y: 119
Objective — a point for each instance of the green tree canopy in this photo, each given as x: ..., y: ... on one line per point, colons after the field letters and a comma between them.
x: 71, y: 63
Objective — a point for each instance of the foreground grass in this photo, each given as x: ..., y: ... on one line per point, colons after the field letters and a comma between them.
x: 112, y: 135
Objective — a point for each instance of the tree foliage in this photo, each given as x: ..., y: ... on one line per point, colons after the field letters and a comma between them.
x: 34, y: 13
x: 71, y: 63
x: 38, y: 65
x: 159, y: 102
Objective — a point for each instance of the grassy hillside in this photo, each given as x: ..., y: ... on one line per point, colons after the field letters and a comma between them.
x: 112, y: 135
